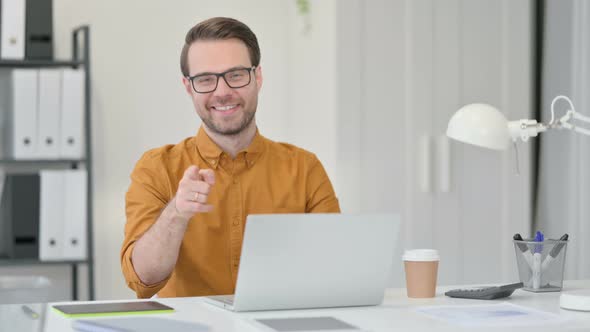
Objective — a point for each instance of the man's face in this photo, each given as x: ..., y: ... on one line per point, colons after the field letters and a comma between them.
x: 225, y: 111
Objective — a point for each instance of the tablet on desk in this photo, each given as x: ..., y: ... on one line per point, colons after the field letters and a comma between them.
x: 305, y: 324
x: 112, y: 308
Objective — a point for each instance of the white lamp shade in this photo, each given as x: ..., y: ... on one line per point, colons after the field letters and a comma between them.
x: 480, y: 124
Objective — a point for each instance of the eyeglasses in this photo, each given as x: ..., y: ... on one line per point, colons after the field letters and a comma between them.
x: 234, y: 78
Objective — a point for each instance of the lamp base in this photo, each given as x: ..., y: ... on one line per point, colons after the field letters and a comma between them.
x: 575, y: 300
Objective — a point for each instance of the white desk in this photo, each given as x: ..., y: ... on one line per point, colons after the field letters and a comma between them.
x: 397, y: 313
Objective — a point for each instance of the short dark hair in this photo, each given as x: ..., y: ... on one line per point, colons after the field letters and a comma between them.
x: 219, y: 28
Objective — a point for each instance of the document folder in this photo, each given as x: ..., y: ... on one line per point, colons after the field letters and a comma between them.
x: 39, y: 30
x: 75, y: 215
x: 49, y: 113
x: 23, y: 111
x: 72, y: 114
x: 5, y: 224
x: 51, y: 224
x: 23, y: 197
x: 12, y: 29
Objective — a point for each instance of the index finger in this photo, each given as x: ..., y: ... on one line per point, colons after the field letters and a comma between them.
x: 192, y: 172
x: 208, y: 175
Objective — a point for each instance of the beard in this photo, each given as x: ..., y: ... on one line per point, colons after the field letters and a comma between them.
x: 232, y: 128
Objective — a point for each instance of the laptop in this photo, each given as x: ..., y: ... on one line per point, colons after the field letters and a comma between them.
x: 296, y: 261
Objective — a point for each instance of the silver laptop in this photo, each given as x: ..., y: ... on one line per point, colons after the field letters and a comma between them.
x: 294, y: 261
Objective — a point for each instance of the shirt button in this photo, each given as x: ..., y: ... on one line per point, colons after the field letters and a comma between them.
x: 213, y: 161
x: 236, y: 221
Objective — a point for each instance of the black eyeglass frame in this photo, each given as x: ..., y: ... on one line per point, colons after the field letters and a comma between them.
x: 222, y: 75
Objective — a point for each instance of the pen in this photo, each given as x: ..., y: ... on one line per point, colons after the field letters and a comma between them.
x: 528, y: 257
x: 537, y: 260
x: 521, y: 246
x: 29, y: 312
x: 554, y: 252
x: 539, y: 237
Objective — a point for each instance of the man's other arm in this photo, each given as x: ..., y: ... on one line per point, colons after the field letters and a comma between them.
x: 320, y: 193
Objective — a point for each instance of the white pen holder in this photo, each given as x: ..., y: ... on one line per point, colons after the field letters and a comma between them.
x: 541, y: 264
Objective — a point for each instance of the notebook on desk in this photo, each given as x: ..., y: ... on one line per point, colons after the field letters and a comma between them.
x: 293, y: 261
x: 137, y: 324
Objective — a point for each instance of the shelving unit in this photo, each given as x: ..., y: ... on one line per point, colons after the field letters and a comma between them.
x: 80, y: 59
x: 39, y: 63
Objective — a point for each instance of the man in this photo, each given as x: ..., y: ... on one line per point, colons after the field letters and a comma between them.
x: 187, y: 203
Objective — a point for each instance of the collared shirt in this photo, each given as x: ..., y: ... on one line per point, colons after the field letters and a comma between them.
x: 267, y: 177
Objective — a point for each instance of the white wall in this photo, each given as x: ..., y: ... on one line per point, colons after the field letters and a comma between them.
x: 404, y: 67
x: 564, y: 181
x: 139, y: 103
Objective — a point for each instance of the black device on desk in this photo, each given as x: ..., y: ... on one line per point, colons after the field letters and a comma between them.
x: 485, y: 293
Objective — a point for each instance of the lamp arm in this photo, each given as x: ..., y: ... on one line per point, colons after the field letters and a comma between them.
x: 566, y: 98
x: 563, y: 122
x: 571, y: 114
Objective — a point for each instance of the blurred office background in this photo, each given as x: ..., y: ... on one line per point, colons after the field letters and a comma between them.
x: 369, y: 86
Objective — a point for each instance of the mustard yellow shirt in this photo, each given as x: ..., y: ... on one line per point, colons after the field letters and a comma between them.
x: 267, y: 177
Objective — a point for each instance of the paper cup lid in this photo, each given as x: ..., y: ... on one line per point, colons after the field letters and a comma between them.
x: 421, y: 255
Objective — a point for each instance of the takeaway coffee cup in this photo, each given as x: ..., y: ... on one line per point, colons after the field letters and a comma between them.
x: 421, y: 267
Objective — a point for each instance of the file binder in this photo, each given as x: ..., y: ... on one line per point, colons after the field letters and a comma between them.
x: 23, y: 111
x: 39, y: 30
x: 62, y: 226
x: 52, y: 213
x: 49, y: 113
x: 12, y: 29
x: 5, y: 109
x: 5, y: 231
x: 19, y: 216
x: 23, y: 193
x: 75, y: 215
x: 72, y: 114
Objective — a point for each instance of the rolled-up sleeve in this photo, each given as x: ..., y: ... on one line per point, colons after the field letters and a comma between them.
x: 319, y: 191
x: 148, y: 194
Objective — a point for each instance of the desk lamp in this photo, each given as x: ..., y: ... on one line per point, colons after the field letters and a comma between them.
x: 485, y: 126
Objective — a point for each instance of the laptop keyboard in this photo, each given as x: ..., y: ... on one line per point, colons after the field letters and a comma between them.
x: 227, y: 299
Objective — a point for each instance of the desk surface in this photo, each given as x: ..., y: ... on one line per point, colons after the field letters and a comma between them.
x: 397, y: 313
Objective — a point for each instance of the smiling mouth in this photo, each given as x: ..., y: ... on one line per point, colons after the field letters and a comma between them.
x: 226, y: 108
